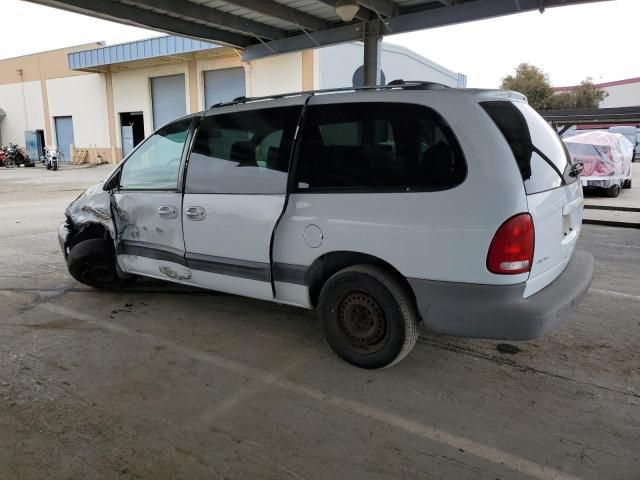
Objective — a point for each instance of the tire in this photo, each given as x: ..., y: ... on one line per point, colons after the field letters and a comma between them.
x: 9, y: 163
x: 627, y: 183
x: 367, y: 316
x: 613, y: 191
x: 48, y: 166
x: 93, y: 263
x: 55, y: 167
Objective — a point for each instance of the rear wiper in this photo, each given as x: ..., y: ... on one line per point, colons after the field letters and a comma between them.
x: 551, y: 164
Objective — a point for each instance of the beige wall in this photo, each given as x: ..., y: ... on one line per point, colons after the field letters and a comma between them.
x: 51, y: 64
x: 31, y: 72
x: 84, y: 95
x: 23, y: 105
x: 132, y: 92
x: 627, y: 95
x: 273, y: 75
x: 84, y: 99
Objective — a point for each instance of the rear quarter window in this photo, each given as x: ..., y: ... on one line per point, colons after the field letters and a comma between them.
x: 376, y: 147
x: 543, y: 160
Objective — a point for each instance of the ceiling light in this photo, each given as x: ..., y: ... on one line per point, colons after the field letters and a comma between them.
x: 347, y: 9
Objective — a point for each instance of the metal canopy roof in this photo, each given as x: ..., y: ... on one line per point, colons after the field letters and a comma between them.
x: 563, y: 119
x: 271, y: 27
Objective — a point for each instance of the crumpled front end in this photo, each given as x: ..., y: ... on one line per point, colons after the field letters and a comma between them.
x: 92, y: 209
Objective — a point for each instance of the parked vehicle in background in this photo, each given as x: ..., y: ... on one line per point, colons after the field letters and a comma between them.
x: 16, y: 157
x: 3, y: 155
x: 52, y: 158
x: 606, y: 159
x: 630, y: 133
x: 381, y: 209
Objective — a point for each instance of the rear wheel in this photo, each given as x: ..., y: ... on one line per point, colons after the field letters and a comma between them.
x: 368, y: 317
x: 93, y: 263
x: 613, y: 191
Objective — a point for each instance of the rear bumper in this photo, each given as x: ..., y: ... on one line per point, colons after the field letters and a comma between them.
x: 501, y: 312
x: 601, y: 182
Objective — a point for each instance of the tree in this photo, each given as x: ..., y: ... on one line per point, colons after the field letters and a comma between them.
x: 532, y: 82
x: 587, y: 95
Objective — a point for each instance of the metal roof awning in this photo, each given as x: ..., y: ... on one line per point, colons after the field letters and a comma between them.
x: 565, y: 119
x: 96, y: 58
x: 269, y: 27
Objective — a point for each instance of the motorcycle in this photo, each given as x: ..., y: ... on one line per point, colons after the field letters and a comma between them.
x: 16, y: 157
x: 3, y: 155
x: 52, y: 158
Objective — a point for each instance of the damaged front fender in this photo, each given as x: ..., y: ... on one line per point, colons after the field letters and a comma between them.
x: 92, y: 208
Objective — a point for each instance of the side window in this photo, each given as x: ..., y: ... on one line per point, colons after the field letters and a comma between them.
x: 244, y: 152
x: 155, y: 165
x: 378, y: 146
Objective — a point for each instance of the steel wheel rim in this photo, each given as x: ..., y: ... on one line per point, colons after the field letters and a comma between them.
x: 362, y: 321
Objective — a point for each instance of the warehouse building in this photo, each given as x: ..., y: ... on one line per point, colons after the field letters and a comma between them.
x: 103, y: 100
x: 620, y: 93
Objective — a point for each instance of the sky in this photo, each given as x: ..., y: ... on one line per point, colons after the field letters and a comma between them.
x: 596, y: 40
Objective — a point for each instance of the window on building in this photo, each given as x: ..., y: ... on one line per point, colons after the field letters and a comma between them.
x: 156, y: 164
x: 378, y: 146
x: 244, y: 152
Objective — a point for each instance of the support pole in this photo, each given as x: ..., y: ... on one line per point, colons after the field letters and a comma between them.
x: 372, y: 40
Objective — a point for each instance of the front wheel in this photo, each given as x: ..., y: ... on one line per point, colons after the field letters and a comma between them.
x: 55, y: 167
x: 93, y: 263
x: 9, y: 163
x: 368, y: 317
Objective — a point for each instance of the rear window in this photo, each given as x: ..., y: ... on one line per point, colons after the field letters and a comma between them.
x: 377, y: 146
x: 542, y: 157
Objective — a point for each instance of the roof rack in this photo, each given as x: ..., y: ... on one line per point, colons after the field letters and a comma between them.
x: 394, y: 84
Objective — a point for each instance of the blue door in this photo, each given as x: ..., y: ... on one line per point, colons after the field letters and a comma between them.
x: 127, y: 139
x: 64, y: 135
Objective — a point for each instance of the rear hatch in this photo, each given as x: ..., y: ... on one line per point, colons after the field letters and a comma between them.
x: 554, y: 194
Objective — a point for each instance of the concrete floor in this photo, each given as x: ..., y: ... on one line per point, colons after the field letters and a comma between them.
x: 603, y: 209
x: 160, y: 382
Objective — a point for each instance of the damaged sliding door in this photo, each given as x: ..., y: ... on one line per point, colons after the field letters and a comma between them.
x: 148, y: 207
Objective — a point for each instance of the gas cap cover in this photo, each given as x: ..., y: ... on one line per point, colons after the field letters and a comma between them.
x: 313, y: 236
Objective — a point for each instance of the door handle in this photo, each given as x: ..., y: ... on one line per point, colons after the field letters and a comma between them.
x: 195, y: 213
x: 167, y: 211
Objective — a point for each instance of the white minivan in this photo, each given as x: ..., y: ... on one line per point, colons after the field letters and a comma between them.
x: 381, y: 208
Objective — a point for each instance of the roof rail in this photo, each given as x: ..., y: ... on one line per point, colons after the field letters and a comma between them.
x: 395, y: 84
x: 417, y: 85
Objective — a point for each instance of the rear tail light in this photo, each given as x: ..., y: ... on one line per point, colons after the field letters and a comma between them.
x: 511, y: 249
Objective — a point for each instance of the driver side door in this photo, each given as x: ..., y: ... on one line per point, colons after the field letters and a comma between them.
x: 147, y: 206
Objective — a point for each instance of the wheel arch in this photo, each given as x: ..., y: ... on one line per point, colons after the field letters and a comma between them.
x: 330, y: 263
x: 86, y: 231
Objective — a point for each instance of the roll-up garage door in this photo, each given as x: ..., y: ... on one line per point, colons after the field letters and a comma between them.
x: 223, y: 85
x: 168, y: 99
